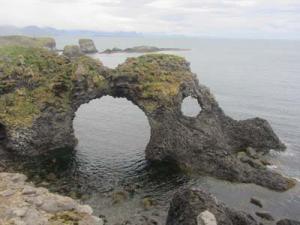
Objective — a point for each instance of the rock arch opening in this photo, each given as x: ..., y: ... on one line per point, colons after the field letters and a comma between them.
x: 190, y: 107
x: 111, y: 127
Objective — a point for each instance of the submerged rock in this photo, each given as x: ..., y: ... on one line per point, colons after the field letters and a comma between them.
x: 37, y: 113
x: 148, y: 202
x: 87, y: 46
x: 119, y: 197
x: 197, y: 207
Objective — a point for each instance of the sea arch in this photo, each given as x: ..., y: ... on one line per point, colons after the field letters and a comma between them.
x: 38, y: 112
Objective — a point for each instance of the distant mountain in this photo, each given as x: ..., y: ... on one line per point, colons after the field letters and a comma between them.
x: 49, y: 31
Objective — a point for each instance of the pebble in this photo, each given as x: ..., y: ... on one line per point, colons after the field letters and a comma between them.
x: 206, y: 218
x: 28, y: 190
x: 119, y: 197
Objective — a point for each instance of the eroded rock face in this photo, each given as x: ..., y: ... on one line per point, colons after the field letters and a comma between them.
x: 197, y: 207
x: 37, y: 112
x: 87, y: 46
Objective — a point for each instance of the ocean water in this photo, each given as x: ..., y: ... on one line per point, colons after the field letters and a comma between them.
x: 248, y: 77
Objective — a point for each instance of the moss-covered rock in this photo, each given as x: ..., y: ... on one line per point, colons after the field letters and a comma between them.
x: 37, y: 84
x: 87, y: 46
x: 157, y: 79
x: 29, y: 78
x: 24, y: 41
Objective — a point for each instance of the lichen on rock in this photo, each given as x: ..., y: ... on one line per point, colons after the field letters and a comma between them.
x: 41, y: 91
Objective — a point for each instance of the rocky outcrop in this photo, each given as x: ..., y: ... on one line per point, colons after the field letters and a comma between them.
x: 23, y: 203
x: 72, y: 51
x: 41, y: 91
x: 113, y: 50
x: 197, y: 207
x: 25, y: 41
x: 288, y: 222
x: 141, y: 49
x: 87, y: 46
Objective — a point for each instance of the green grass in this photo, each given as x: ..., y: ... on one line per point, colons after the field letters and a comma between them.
x: 159, y: 76
x: 32, y: 78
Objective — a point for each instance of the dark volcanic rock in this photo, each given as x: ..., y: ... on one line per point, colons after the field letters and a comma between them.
x: 36, y: 123
x: 142, y: 49
x: 265, y: 216
x: 197, y: 207
x: 256, y: 202
x: 113, y: 50
x: 87, y: 46
x: 288, y: 222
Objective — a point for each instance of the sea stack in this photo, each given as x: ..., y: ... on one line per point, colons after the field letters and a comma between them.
x: 87, y: 46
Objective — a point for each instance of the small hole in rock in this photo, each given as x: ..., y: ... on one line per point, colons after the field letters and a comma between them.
x: 190, y: 107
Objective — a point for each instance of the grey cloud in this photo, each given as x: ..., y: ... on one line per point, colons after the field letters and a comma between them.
x: 192, y: 17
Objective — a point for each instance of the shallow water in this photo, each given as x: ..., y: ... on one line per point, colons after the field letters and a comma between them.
x: 249, y: 78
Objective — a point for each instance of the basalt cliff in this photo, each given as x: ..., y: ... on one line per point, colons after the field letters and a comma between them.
x: 40, y: 92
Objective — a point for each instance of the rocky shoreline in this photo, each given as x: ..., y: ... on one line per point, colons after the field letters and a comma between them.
x: 21, y: 203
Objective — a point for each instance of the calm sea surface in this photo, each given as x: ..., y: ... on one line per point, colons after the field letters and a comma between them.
x: 248, y: 77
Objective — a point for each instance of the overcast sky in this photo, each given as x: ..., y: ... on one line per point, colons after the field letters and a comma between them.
x: 241, y: 18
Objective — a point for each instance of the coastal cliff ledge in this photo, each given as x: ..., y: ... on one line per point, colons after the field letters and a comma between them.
x: 40, y: 92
